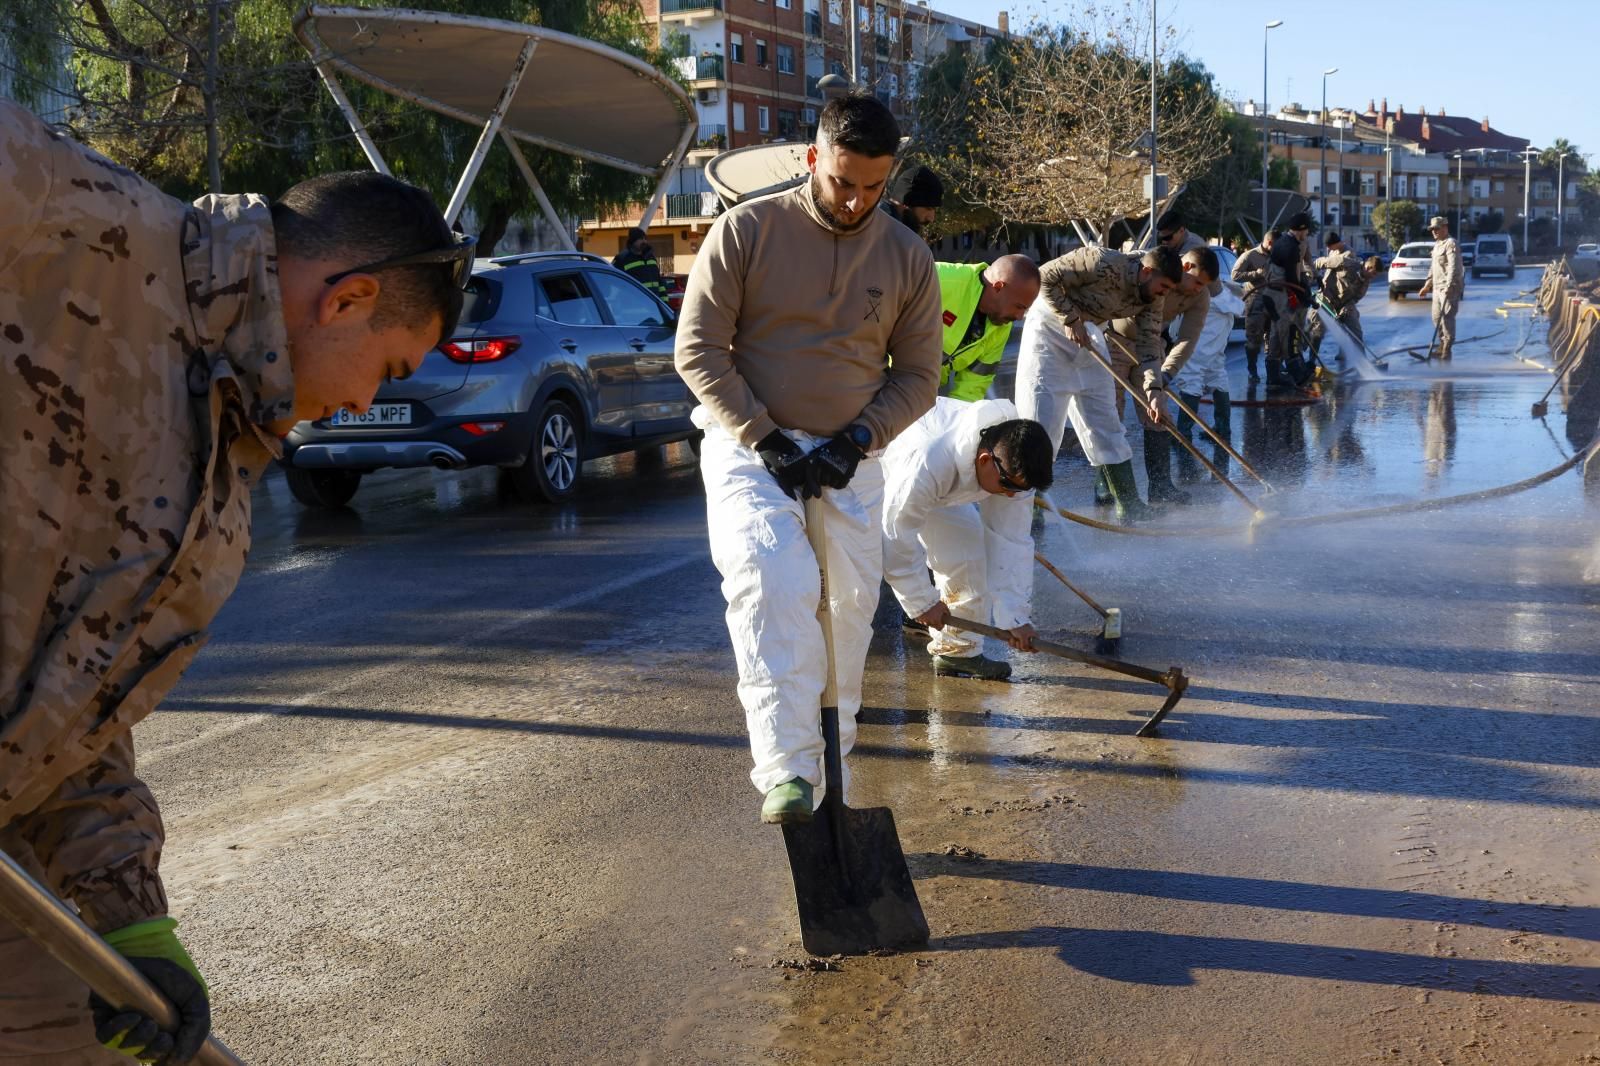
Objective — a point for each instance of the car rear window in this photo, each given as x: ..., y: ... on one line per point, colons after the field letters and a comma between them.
x: 1493, y: 247
x: 1415, y: 251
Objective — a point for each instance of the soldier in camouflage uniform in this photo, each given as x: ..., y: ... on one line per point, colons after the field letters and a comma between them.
x: 151, y: 355
x: 1251, y: 272
x: 1190, y: 302
x: 1287, y: 297
x: 1056, y: 375
x: 1344, y: 282
x: 1446, y: 282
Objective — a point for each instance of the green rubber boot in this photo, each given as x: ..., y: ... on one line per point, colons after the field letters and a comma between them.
x: 1102, y: 489
x: 1125, y: 491
x: 978, y: 666
x: 1222, y: 409
x: 788, y: 803
x: 1158, y: 468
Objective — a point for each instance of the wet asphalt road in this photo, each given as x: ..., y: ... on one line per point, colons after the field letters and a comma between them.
x: 461, y: 780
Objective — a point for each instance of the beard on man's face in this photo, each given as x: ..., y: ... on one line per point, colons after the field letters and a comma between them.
x: 829, y: 217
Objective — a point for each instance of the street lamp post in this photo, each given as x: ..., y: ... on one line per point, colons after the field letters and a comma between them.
x: 1322, y: 162
x: 1561, y: 182
x: 1266, y: 132
x: 1527, y: 186
x: 1459, y: 157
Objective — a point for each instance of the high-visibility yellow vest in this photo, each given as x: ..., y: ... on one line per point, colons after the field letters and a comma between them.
x: 966, y: 373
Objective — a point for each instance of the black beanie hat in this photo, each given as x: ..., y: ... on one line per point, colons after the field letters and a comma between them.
x: 926, y: 190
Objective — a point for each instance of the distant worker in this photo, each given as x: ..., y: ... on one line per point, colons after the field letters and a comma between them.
x: 1287, y: 298
x: 979, y: 305
x: 810, y: 336
x: 1173, y: 233
x: 1207, y: 371
x: 919, y: 207
x: 1344, y: 283
x: 1057, y: 374
x: 958, y: 500
x: 638, y: 261
x: 1446, y: 281
x: 1251, y: 272
x: 153, y: 353
x: 1187, y: 305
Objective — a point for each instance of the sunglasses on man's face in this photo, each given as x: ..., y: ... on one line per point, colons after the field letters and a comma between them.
x: 457, y: 256
x: 1007, y: 482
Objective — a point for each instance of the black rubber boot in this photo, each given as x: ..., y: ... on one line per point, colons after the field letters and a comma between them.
x: 1222, y: 422
x: 1277, y: 380
x: 1158, y: 469
x: 1102, y: 489
x: 1250, y: 359
x: 1188, y: 469
x: 1125, y: 491
x: 1299, y: 372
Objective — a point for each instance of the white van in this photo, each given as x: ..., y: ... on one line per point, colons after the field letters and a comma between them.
x: 1494, y: 256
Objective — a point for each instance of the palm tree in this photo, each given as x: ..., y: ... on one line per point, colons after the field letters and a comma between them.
x: 1549, y: 156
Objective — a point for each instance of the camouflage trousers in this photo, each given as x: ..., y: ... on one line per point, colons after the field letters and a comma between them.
x: 1255, y: 322
x: 44, y: 1008
x: 1445, y: 306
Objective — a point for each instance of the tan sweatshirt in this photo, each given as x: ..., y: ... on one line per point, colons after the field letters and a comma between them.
x: 789, y: 323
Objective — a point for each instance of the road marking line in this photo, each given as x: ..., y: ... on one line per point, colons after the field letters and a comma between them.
x: 371, y: 673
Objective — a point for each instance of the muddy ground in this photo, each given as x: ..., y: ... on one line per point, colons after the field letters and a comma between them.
x: 460, y: 780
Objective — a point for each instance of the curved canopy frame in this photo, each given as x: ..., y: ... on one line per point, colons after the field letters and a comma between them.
x: 581, y: 98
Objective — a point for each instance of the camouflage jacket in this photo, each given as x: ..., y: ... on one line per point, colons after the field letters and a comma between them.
x: 1099, y: 285
x: 1343, y: 283
x: 1251, y: 270
x: 142, y: 348
x: 1193, y: 308
x: 1445, y: 275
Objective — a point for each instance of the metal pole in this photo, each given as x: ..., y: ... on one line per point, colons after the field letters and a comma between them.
x: 363, y: 138
x: 1266, y: 132
x: 62, y: 934
x: 855, y: 47
x: 667, y: 176
x: 1561, y: 176
x: 213, y: 142
x: 538, y: 190
x: 1458, y: 233
x: 1152, y: 123
x: 1322, y: 168
x: 1527, y: 181
x: 458, y: 199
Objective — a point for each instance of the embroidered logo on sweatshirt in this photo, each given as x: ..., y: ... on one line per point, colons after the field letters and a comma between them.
x: 874, y: 299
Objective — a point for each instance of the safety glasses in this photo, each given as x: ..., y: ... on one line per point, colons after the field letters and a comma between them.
x: 1007, y: 482
x: 457, y: 256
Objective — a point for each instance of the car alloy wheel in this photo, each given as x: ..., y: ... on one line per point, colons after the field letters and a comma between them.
x: 558, y: 451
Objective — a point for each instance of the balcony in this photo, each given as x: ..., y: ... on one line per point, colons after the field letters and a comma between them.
x: 690, y: 7
x: 712, y: 137
x: 691, y: 204
x: 813, y: 24
x: 707, y: 68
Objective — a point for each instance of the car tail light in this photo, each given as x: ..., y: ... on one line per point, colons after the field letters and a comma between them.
x: 480, y: 350
x: 483, y: 429
x: 1398, y: 263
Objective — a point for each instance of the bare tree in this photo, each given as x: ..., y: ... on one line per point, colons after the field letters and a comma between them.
x: 1056, y: 119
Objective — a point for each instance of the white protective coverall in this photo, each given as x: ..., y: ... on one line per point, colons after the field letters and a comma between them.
x: 771, y: 584
x: 1057, y: 380
x: 1206, y: 370
x: 936, y: 516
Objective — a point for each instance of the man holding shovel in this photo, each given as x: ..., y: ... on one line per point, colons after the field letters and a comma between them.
x: 810, y: 335
x: 958, y: 499
x: 1446, y: 282
x: 151, y: 354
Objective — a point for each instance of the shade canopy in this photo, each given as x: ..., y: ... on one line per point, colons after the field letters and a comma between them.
x: 760, y: 168
x: 576, y: 96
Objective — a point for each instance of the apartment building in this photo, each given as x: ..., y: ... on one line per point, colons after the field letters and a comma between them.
x: 1350, y: 161
x: 753, y: 67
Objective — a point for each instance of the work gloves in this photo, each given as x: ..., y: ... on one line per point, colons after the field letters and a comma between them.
x: 830, y: 465
x: 836, y: 461
x: 153, y: 949
x: 789, y: 466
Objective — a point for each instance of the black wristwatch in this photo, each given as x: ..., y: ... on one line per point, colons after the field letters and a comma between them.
x: 860, y: 436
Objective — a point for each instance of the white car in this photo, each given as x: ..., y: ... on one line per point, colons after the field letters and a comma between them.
x: 1409, y: 269
x: 1587, y: 251
x: 1494, y: 254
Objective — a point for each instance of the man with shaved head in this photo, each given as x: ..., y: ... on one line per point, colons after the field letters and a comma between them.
x: 979, y: 305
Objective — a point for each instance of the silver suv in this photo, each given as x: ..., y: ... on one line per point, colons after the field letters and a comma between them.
x: 559, y: 357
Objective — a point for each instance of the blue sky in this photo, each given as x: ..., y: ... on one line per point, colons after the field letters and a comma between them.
x: 1530, y: 66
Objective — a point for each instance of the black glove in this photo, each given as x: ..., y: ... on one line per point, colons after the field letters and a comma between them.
x: 836, y: 461
x: 139, y: 1030
x: 789, y: 466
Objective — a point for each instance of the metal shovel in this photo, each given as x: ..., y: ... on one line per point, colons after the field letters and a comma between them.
x: 1174, y: 680
x: 851, y: 882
